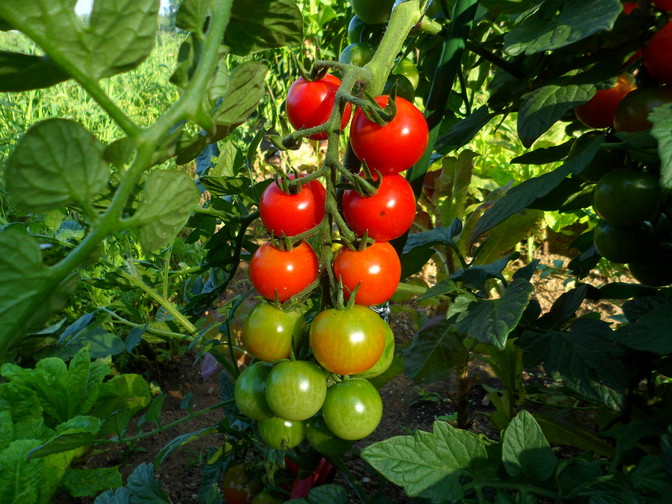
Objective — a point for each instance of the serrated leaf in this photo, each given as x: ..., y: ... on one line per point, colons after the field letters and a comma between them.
x: 525, y: 450
x: 434, y: 351
x: 492, y: 320
x: 90, y: 482
x: 451, y: 188
x: 543, y: 30
x: 143, y: 488
x: 424, y: 459
x: 167, y: 201
x: 22, y: 72
x: 328, y: 494
x: 650, y: 477
x: 437, y: 236
x: 650, y: 332
x: 119, y: 36
x: 584, y: 359
x: 661, y: 118
x: 244, y: 91
x: 263, y: 24
x: 223, y: 186
x: 191, y: 15
x: 56, y: 163
x: 506, y: 235
x: 559, y: 431
x: 476, y: 276
x: 542, y: 107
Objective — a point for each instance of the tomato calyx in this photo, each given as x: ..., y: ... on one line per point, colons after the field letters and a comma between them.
x: 377, y: 114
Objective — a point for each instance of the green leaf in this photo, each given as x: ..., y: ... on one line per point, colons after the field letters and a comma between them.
x: 437, y: 236
x: 244, y: 91
x: 506, y: 235
x: 462, y: 132
x: 191, y: 15
x: 126, y: 391
x: 22, y: 72
x: 545, y: 155
x: 661, y: 118
x: 90, y: 482
x: 263, y: 24
x: 435, y: 350
x: 542, y: 107
x: 650, y: 332
x: 167, y: 201
x: 20, y: 480
x: 649, y: 476
x: 181, y: 440
x: 56, y: 163
x: 475, y: 277
x: 324, y: 494
x: 492, y: 320
x: 584, y: 359
x: 451, y: 188
x: 526, y: 193
x: 424, y: 459
x: 224, y: 186
x: 63, y: 443
x: 24, y: 411
x: 541, y: 29
x: 525, y: 450
x: 143, y: 488
x: 120, y: 34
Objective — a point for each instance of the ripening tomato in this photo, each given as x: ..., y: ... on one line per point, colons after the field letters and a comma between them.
x: 665, y: 5
x: 376, y: 270
x: 292, y: 214
x: 269, y: 333
x: 632, y: 113
x: 238, y: 487
x: 250, y: 392
x: 295, y: 390
x: 386, y: 215
x: 352, y: 409
x: 628, y: 7
x: 283, y: 272
x: 598, y: 112
x: 347, y: 342
x: 657, y: 54
x: 281, y: 434
x: 309, y: 104
x: 386, y: 358
x: 394, y: 147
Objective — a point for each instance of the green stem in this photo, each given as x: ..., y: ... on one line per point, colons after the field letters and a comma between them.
x: 157, y: 332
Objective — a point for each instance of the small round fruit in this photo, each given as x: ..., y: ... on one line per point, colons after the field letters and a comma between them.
x: 665, y: 5
x: 408, y: 69
x: 376, y: 270
x: 598, y: 112
x: 657, y: 55
x: 238, y: 487
x: 386, y: 215
x: 264, y: 497
x: 632, y: 113
x: 403, y: 86
x: 250, y: 392
x: 292, y: 214
x: 373, y: 11
x: 269, y: 333
x: 626, y: 197
x: 352, y: 409
x: 622, y: 244
x: 281, y: 434
x: 323, y: 440
x: 386, y: 358
x: 394, y: 147
x: 283, y: 273
x: 309, y: 104
x: 358, y: 54
x: 295, y: 390
x: 347, y: 342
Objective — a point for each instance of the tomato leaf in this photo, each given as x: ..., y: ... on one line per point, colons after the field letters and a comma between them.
x: 525, y: 450
x: 541, y: 29
x: 542, y: 107
x: 491, y: 320
x: 141, y: 486
x: 56, y: 163
x: 323, y: 494
x: 451, y: 187
x: 420, y: 461
x: 545, y: 155
x: 462, y: 132
x: 435, y: 350
x: 120, y: 34
x: 560, y: 431
x: 584, y: 359
x: 650, y: 332
x: 167, y: 202
x: 244, y: 91
x: 661, y: 118
x: 21, y: 72
x: 263, y: 24
x: 191, y: 15
x: 506, y: 235
x: 476, y: 276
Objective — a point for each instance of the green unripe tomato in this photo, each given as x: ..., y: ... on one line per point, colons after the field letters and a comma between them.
x: 408, y: 69
x: 626, y: 197
x: 358, y: 54
x: 323, y: 440
x: 264, y: 497
x: 603, y: 162
x: 295, y: 390
x: 373, y: 11
x: 403, y: 85
x: 352, y: 409
x: 281, y: 434
x: 250, y: 392
x: 268, y: 332
x: 622, y: 244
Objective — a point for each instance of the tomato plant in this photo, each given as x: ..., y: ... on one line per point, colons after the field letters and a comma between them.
x: 353, y: 409
x: 386, y: 358
x: 281, y: 434
x: 269, y: 333
x: 376, y: 270
x: 394, y: 147
x: 265, y: 497
x: 309, y: 104
x: 387, y: 214
x: 283, y: 273
x: 373, y: 11
x: 358, y: 54
x: 408, y: 69
x: 323, y: 440
x: 655, y: 270
x: 621, y: 244
x: 359, y: 31
x: 657, y: 54
x: 292, y: 213
x: 598, y: 112
x: 626, y: 197
x: 250, y: 392
x: 238, y: 487
x: 632, y: 113
x: 348, y: 341
x: 295, y: 390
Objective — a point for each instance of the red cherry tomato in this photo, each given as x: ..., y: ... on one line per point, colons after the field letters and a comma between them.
x: 394, y: 147
x: 386, y: 215
x: 665, y: 5
x: 657, y: 54
x: 377, y: 271
x: 598, y: 112
x: 292, y: 214
x: 309, y: 104
x: 283, y: 272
